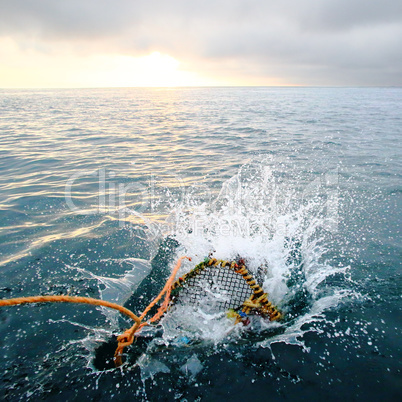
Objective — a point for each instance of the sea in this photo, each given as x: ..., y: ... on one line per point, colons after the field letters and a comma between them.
x: 102, y: 190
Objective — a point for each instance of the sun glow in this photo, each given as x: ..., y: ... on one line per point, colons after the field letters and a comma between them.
x: 154, y: 70
x: 59, y: 68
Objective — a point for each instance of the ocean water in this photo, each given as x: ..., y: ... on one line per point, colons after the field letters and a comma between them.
x: 101, y: 190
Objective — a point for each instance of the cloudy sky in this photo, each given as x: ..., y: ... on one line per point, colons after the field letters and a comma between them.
x: 87, y: 43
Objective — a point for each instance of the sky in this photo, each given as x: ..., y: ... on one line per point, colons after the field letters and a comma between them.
x: 130, y: 43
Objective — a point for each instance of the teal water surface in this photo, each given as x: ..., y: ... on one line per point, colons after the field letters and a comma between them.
x: 102, y: 189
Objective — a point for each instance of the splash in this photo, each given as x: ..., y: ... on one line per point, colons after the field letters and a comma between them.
x: 272, y: 226
x: 284, y: 237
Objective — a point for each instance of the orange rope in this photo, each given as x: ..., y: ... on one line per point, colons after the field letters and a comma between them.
x: 68, y: 299
x: 125, y: 339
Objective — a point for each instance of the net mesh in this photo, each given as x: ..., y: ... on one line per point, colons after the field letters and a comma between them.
x: 219, y: 287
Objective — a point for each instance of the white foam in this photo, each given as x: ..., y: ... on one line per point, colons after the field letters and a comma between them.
x: 263, y: 221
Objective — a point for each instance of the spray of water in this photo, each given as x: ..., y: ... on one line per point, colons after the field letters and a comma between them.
x: 279, y: 233
x: 271, y: 227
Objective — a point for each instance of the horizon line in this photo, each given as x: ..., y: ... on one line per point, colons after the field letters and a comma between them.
x: 207, y: 86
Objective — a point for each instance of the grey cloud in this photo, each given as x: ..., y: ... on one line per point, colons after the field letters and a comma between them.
x: 63, y: 19
x: 311, y: 42
x: 346, y: 14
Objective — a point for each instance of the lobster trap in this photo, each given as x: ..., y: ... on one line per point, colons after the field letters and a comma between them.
x: 239, y: 293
